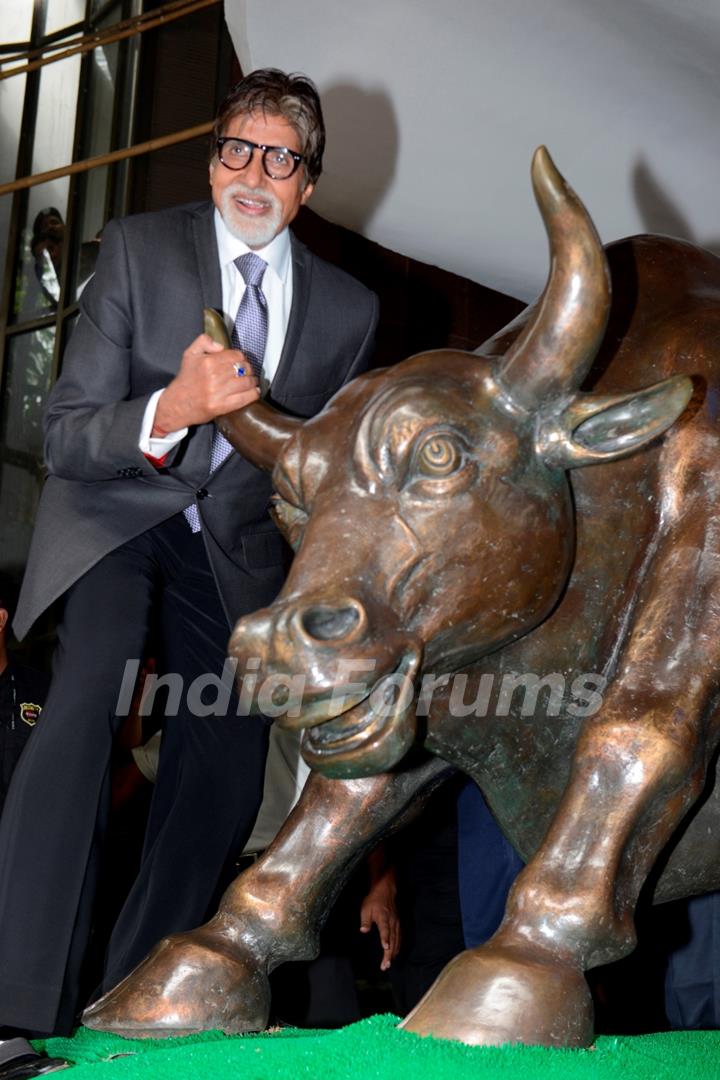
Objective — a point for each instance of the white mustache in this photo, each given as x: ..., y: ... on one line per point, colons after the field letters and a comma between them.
x: 240, y: 189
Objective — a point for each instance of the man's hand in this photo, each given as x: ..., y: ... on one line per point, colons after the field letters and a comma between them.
x: 207, y: 385
x: 379, y: 908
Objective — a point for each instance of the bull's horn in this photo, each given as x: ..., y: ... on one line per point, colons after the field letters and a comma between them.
x: 555, y: 350
x: 258, y: 431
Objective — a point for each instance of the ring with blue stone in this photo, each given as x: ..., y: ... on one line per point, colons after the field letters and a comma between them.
x: 239, y: 369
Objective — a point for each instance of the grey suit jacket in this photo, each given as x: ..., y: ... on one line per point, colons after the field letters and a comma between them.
x: 155, y: 273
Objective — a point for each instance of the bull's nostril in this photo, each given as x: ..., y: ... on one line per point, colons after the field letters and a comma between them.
x: 329, y: 623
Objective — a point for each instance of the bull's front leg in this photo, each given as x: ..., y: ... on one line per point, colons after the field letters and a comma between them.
x: 640, y: 764
x: 216, y: 977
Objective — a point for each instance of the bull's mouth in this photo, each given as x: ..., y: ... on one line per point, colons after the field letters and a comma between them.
x: 372, y: 735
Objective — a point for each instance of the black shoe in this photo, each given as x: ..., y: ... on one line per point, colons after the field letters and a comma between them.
x: 18, y: 1061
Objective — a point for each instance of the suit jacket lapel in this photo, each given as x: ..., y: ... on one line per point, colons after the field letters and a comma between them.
x: 302, y: 283
x: 208, y: 262
x: 210, y: 282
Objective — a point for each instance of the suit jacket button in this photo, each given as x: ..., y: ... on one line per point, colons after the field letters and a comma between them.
x: 202, y: 493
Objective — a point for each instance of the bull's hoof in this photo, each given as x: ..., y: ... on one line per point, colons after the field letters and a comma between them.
x: 197, y: 981
x: 506, y: 994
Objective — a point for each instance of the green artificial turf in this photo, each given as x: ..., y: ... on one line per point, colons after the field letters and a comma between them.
x: 375, y: 1048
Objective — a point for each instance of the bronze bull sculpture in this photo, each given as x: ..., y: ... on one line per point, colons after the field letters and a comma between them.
x: 444, y: 521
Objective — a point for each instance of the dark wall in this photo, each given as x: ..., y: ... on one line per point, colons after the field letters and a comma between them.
x: 421, y: 306
x: 186, y: 68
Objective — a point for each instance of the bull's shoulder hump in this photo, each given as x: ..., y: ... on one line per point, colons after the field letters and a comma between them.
x: 664, y: 256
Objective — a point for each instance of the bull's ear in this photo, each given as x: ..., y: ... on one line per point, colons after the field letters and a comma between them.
x: 594, y: 428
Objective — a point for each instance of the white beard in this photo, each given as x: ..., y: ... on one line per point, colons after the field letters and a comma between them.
x: 255, y: 233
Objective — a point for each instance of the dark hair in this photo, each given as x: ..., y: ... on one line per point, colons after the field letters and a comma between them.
x: 273, y: 92
x: 8, y: 594
x: 41, y: 219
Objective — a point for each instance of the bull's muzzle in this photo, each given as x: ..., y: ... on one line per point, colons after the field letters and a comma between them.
x: 353, y: 686
x: 374, y: 734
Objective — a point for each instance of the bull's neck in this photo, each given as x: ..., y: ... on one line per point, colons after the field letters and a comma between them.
x: 583, y: 635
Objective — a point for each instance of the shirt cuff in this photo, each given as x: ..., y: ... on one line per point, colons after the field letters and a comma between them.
x: 157, y: 447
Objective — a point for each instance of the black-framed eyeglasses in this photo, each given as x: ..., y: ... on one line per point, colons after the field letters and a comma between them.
x: 278, y: 162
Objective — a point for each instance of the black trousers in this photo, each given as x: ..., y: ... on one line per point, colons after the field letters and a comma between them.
x: 207, y: 795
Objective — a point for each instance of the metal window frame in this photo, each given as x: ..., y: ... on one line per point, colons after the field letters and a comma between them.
x: 62, y: 318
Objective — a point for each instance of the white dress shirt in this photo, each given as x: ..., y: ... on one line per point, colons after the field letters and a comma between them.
x: 277, y: 287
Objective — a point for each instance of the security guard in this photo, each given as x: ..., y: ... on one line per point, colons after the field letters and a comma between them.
x: 22, y: 695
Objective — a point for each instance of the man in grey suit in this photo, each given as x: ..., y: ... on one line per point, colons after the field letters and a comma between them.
x: 137, y: 518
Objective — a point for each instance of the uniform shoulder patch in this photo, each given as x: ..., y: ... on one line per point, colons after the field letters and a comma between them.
x: 29, y: 713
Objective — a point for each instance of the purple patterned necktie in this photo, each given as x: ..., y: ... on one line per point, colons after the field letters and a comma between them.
x: 250, y: 335
x: 251, y: 324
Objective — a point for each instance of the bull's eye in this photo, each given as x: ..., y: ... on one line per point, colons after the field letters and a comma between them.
x: 290, y: 520
x: 441, y: 463
x: 439, y: 456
